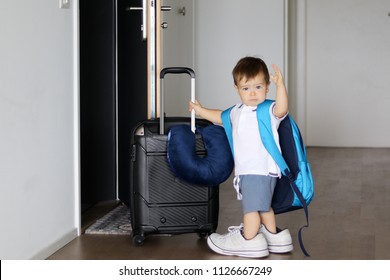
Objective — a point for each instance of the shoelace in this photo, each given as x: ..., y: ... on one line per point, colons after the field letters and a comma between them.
x: 234, y: 229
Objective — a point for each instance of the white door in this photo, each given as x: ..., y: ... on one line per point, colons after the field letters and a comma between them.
x: 348, y: 73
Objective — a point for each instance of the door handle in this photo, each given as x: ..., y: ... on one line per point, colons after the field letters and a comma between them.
x: 166, y: 8
x: 144, y: 28
x: 144, y: 16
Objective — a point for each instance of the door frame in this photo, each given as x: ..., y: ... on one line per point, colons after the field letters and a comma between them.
x: 296, y: 56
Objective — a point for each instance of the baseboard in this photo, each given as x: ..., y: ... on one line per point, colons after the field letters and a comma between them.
x: 55, y: 246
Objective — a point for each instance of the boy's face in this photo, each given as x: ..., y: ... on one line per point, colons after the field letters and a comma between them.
x: 253, y: 91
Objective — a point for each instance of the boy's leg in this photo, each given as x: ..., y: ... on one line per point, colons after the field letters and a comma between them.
x: 278, y: 242
x: 252, y: 224
x: 268, y: 219
x: 256, y: 193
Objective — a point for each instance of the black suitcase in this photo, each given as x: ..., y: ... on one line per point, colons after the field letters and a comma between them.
x: 160, y: 202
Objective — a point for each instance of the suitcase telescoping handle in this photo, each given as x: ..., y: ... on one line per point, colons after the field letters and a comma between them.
x: 176, y: 70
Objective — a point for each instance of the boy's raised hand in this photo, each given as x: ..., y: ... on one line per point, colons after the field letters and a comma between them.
x: 277, y: 78
x: 281, y: 100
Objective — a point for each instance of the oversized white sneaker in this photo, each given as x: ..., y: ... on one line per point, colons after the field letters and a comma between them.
x: 280, y: 242
x: 234, y: 244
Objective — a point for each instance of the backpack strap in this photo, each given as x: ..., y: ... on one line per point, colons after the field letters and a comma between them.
x: 301, y: 154
x: 227, y: 125
x: 266, y: 134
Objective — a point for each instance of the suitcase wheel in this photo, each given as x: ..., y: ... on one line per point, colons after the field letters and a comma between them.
x: 138, y: 240
x: 203, y: 234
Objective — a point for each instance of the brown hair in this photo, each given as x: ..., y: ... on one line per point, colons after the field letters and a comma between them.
x: 249, y: 67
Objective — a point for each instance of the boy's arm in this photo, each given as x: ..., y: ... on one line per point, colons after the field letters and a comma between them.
x: 281, y: 100
x: 211, y: 115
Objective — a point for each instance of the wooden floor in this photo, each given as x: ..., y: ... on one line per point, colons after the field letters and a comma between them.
x: 349, y: 217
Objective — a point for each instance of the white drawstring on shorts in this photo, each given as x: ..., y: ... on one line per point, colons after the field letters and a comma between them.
x: 236, y: 184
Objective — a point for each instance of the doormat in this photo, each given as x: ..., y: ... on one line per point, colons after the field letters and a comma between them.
x: 117, y: 221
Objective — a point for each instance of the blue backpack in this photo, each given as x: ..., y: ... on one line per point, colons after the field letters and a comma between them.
x: 295, y: 189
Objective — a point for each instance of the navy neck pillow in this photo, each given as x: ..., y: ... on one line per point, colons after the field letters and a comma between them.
x: 210, y: 169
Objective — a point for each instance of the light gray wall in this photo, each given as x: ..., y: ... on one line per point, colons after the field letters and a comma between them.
x: 348, y: 66
x: 38, y: 126
x: 227, y: 30
x: 337, y: 69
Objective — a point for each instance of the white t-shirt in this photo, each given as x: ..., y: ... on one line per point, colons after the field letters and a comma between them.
x: 250, y: 155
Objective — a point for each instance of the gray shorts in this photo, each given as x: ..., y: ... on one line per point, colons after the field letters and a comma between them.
x: 256, y: 191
